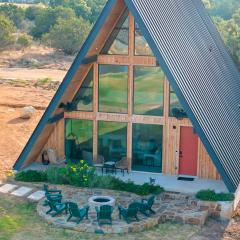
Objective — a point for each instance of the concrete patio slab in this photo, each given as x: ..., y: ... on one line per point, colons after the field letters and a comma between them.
x: 36, y: 196
x: 22, y: 191
x: 171, y: 183
x: 6, y: 188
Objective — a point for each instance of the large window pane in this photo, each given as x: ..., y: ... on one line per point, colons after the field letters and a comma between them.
x: 175, y: 107
x: 112, y: 140
x: 118, y: 40
x: 113, y: 88
x: 148, y: 90
x: 79, y: 140
x: 83, y: 101
x: 147, y: 148
x: 141, y: 46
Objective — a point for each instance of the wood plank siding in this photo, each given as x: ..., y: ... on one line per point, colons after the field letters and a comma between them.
x: 171, y: 126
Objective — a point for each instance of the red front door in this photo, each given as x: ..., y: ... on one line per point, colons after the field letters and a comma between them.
x: 188, y: 152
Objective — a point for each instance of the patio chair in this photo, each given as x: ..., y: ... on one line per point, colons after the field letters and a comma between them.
x: 145, y: 206
x: 122, y: 165
x: 53, y: 195
x: 50, y: 191
x: 57, y: 208
x: 54, y: 198
x: 76, y: 212
x: 100, y: 162
x: 104, y: 213
x: 130, y: 212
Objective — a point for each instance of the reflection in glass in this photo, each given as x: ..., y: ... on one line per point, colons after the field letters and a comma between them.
x: 175, y: 107
x: 79, y: 140
x: 147, y: 148
x: 83, y: 101
x: 148, y: 91
x: 118, y: 40
x: 112, y: 140
x: 141, y: 46
x: 113, y: 88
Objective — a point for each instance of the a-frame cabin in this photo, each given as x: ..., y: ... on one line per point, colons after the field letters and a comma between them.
x: 154, y: 85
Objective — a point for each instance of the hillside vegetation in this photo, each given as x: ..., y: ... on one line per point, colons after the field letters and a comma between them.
x: 64, y: 24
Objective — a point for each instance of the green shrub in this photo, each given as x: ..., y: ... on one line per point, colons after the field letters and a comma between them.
x: 24, y: 40
x: 113, y: 183
x: 57, y: 175
x: 210, y: 195
x: 82, y: 175
x: 31, y: 176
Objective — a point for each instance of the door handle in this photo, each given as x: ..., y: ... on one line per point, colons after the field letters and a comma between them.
x: 180, y: 154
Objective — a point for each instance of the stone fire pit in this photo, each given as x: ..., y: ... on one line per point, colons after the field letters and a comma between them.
x: 97, y: 201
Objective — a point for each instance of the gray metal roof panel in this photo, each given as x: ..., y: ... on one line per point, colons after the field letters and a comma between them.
x: 201, y: 72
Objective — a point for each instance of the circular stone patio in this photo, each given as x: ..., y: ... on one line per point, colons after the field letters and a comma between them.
x: 168, y: 207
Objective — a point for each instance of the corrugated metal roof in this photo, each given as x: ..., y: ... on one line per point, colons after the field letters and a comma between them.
x: 201, y: 71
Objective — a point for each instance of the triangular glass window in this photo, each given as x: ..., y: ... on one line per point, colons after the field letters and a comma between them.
x: 175, y: 107
x: 83, y: 101
x: 118, y: 41
x: 141, y: 46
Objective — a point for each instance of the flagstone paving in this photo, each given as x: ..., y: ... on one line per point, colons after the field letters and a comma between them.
x: 6, y: 188
x: 171, y: 207
x: 21, y: 191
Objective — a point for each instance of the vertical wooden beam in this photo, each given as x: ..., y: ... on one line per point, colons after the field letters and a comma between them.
x: 129, y: 146
x: 165, y: 145
x: 130, y: 90
x: 131, y: 37
x: 95, y: 111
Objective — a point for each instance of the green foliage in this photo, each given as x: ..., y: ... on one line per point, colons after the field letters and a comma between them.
x: 48, y: 18
x: 32, y: 12
x: 31, y: 176
x: 230, y: 32
x: 210, y: 195
x: 224, y: 8
x: 57, y: 175
x: 68, y: 34
x: 6, y: 32
x: 24, y: 40
x: 82, y: 175
x: 14, y: 13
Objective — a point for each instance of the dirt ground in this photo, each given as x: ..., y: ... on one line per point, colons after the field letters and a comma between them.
x: 19, y: 72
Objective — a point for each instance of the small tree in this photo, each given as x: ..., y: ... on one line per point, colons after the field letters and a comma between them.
x: 47, y: 18
x: 6, y: 32
x: 68, y: 34
x: 24, y: 40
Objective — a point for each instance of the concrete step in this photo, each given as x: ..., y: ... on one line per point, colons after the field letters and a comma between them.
x: 36, y: 196
x: 21, y: 191
x: 7, y: 188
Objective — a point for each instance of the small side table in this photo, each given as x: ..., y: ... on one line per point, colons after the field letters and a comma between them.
x: 110, y: 166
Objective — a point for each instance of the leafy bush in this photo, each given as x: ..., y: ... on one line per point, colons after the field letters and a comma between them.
x: 68, y: 34
x: 82, y: 175
x: 14, y: 13
x: 57, y: 175
x: 210, y: 195
x: 24, y: 40
x: 48, y: 17
x: 31, y: 176
x: 6, y: 32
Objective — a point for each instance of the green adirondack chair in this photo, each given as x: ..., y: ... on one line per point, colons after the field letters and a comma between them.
x: 57, y: 208
x: 130, y: 212
x: 76, y: 212
x: 145, y: 206
x: 104, y: 213
x: 53, y: 195
x: 50, y: 191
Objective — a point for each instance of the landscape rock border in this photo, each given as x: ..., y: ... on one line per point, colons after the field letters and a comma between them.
x: 173, y: 207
